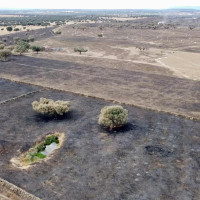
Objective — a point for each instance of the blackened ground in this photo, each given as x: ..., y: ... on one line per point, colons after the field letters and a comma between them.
x: 9, y: 90
x: 156, y: 156
x: 38, y: 34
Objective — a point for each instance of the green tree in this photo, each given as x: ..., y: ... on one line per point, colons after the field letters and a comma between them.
x: 22, y: 47
x: 37, y: 48
x: 80, y: 50
x: 9, y: 28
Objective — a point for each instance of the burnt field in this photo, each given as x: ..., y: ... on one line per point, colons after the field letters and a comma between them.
x: 140, y: 87
x: 154, y: 157
x: 149, y: 64
x: 38, y: 34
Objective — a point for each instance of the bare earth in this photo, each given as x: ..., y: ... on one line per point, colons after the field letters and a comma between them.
x: 184, y: 64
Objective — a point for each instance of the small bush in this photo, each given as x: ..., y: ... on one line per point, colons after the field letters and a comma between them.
x: 11, y: 47
x: 16, y: 29
x: 113, y: 117
x: 4, y: 40
x: 31, y: 38
x: 2, y: 46
x: 100, y: 35
x: 51, y: 108
x: 16, y: 39
x: 58, y: 32
x: 5, y: 54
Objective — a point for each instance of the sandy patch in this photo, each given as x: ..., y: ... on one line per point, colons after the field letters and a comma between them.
x: 183, y: 64
x: 11, y: 15
x: 122, y: 19
x: 5, y: 32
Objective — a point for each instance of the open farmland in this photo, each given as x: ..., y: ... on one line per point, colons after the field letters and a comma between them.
x: 152, y: 70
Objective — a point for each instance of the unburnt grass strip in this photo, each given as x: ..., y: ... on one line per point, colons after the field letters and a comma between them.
x: 8, y: 191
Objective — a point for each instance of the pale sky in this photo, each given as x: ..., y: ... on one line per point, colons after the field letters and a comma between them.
x: 96, y: 4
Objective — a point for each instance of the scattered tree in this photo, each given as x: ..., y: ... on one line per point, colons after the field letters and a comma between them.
x: 80, y: 50
x: 37, y: 48
x: 9, y: 28
x: 22, y: 47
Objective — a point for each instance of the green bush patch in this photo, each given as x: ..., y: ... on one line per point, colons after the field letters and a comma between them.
x: 35, y: 153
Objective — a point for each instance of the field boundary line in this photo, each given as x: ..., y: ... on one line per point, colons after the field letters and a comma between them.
x: 18, y: 97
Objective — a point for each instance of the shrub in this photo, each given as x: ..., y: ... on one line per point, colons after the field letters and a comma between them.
x: 9, y: 28
x: 51, y: 108
x: 4, y: 40
x: 58, y: 32
x: 16, y: 29
x: 5, y: 54
x: 113, y: 116
x: 2, y: 46
x: 16, y: 39
x: 31, y: 38
x: 11, y: 47
x: 100, y: 35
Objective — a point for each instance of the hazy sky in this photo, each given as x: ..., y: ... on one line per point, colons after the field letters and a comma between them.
x: 97, y: 4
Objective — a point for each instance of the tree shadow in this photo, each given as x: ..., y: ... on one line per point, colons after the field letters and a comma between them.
x: 123, y: 129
